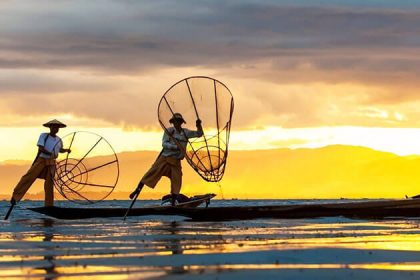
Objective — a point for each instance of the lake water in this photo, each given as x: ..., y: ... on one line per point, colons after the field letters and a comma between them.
x: 37, y: 247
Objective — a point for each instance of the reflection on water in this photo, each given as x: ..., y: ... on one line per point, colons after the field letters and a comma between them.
x: 155, y: 247
x: 48, y: 266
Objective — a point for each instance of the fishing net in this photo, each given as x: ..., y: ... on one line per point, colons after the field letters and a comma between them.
x: 210, y: 101
x: 90, y: 172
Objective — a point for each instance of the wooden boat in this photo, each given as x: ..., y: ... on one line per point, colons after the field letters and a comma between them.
x: 85, y: 213
x: 365, y: 209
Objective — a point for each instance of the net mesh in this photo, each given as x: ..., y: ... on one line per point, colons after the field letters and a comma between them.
x: 210, y: 101
x: 90, y: 172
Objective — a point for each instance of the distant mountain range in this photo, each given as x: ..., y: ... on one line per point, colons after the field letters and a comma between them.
x: 329, y: 172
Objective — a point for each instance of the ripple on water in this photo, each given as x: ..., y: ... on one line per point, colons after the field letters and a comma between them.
x: 155, y: 247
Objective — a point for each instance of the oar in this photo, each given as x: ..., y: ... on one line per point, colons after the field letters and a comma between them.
x: 132, y: 203
x: 9, y: 211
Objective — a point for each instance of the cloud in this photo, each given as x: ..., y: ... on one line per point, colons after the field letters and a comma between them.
x: 290, y: 64
x: 27, y: 82
x: 126, y: 36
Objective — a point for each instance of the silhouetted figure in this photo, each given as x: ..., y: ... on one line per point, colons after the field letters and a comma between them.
x: 43, y: 167
x: 168, y: 162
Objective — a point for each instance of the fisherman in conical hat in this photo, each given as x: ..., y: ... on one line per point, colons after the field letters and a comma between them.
x: 43, y: 167
x: 168, y: 163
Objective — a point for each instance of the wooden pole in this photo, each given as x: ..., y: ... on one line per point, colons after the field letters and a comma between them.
x: 9, y: 211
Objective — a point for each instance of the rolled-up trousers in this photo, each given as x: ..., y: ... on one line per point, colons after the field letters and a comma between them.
x: 165, y: 166
x: 37, y: 168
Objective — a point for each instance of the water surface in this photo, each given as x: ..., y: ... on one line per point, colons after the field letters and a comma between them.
x: 38, y: 247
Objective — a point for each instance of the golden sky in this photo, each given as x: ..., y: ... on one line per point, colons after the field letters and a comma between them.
x: 303, y: 73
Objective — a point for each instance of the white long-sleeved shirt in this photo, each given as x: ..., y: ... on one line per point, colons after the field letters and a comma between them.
x: 170, y: 148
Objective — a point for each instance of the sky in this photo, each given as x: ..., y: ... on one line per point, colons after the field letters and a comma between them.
x: 303, y: 73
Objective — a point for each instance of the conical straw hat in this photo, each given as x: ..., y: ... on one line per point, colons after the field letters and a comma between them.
x: 54, y: 123
x: 177, y: 116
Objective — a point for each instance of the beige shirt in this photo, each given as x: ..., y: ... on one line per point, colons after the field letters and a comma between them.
x: 170, y: 148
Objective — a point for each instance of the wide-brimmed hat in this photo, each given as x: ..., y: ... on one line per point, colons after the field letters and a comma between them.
x: 54, y: 123
x: 177, y: 116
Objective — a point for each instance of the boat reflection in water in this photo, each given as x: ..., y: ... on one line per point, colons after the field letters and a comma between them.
x: 48, y: 246
x: 175, y: 245
x: 159, y: 247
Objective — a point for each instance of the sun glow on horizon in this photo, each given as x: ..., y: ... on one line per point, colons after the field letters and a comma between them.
x: 20, y: 143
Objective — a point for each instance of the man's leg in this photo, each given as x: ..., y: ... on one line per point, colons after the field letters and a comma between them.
x: 176, y: 183
x: 152, y: 176
x: 176, y: 179
x: 137, y: 190
x: 49, y: 186
x: 27, y: 180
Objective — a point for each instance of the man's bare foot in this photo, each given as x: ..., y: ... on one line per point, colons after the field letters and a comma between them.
x: 134, y: 193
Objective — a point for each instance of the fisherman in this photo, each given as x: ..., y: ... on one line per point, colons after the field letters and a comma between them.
x: 43, y: 167
x: 168, y: 162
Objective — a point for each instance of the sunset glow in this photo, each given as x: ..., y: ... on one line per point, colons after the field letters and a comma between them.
x: 211, y: 139
x: 296, y: 83
x: 400, y: 141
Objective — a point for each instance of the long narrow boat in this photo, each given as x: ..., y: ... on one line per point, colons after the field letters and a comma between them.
x: 366, y: 209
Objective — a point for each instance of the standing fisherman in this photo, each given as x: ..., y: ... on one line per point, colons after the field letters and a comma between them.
x: 169, y: 161
x: 43, y: 167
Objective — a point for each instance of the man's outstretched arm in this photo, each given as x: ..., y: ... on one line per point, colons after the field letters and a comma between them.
x: 199, y: 128
x: 195, y: 133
